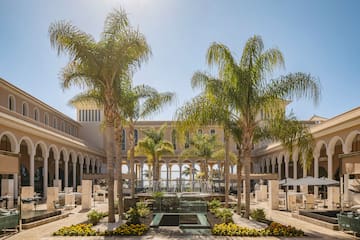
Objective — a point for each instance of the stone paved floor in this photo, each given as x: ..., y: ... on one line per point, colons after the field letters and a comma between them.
x: 313, y: 232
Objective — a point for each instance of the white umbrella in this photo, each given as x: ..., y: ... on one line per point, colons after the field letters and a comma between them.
x: 287, y: 181
x: 312, y: 181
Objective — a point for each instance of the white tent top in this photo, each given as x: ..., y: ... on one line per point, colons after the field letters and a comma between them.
x: 311, y: 181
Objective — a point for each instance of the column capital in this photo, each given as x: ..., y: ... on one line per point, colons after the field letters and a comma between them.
x: 316, y: 156
x: 287, y: 157
x: 295, y: 157
x: 330, y: 152
x: 66, y: 158
x: 81, y: 160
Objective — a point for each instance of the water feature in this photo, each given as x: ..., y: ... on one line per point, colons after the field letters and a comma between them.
x: 328, y: 216
x: 32, y: 216
x: 186, y: 210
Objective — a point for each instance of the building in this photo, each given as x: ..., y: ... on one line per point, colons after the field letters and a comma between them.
x: 56, y: 150
x: 49, y: 143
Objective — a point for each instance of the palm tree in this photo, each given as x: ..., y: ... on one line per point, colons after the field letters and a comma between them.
x: 100, y: 66
x: 187, y: 171
x: 142, y: 101
x: 202, y: 146
x: 153, y: 146
x: 207, y: 109
x: 292, y: 133
x: 248, y: 91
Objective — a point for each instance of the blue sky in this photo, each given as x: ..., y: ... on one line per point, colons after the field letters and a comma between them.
x: 317, y: 37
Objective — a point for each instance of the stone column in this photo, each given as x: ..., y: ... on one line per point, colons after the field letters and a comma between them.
x: 16, y: 185
x: 192, y: 172
x: 74, y: 161
x: 66, y: 170
x: 86, y: 187
x: 346, y: 188
x: 45, y: 172
x: 57, y: 159
x: 295, y: 168
x: 304, y: 188
x: 93, y: 166
x: 81, y: 161
x: 180, y: 177
x: 211, y: 169
x: 142, y: 173
x: 273, y: 163
x: 330, y: 154
x: 170, y: 172
x: 32, y: 168
x: 52, y: 198
x: 274, y: 194
x: 287, y: 166
x: 279, y: 168
x: 167, y: 176
x: 316, y: 173
x: 87, y: 166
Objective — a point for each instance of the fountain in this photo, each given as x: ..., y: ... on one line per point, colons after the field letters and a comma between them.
x: 186, y: 210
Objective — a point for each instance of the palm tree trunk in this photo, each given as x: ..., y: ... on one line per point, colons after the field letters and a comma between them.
x: 109, y: 145
x: 118, y: 151
x: 132, y: 154
x: 156, y: 175
x: 226, y: 169
x: 247, y: 144
x: 239, y: 181
x: 206, y: 169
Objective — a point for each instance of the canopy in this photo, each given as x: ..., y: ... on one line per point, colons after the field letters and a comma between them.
x: 287, y: 181
x: 311, y: 181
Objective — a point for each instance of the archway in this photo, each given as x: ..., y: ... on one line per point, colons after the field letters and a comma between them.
x: 51, y: 167
x: 62, y: 168
x: 39, y: 170
x: 25, y: 163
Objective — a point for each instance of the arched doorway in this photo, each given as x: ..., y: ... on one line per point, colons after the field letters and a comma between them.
x: 25, y: 163
x: 39, y: 170
x: 62, y: 169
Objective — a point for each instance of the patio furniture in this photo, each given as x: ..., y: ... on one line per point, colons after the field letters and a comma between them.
x: 349, y: 221
x: 8, y: 220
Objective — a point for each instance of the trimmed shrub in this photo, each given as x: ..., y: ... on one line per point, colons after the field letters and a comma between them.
x: 214, y: 204
x: 135, y: 213
x: 95, y: 216
x: 258, y: 214
x: 224, y: 214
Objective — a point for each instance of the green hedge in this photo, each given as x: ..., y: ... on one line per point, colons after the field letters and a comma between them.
x: 86, y: 230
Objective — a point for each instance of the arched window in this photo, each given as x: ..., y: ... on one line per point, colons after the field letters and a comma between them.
x: 356, y: 144
x: 5, y: 144
x: 46, y: 119
x: 200, y: 131
x: 212, y: 131
x: 11, y: 103
x: 123, y: 140
x: 36, y: 114
x: 136, y: 137
x: 54, y: 122
x: 25, y: 109
x: 173, y: 138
